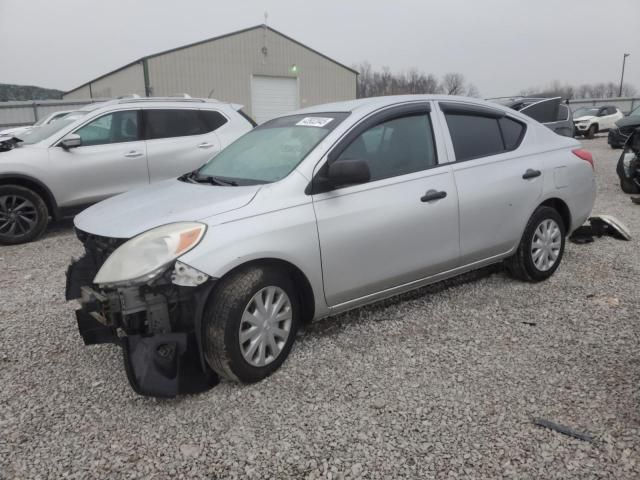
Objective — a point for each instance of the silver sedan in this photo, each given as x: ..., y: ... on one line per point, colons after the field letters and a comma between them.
x: 315, y: 213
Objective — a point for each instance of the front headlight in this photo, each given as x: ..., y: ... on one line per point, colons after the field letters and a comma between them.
x: 146, y: 256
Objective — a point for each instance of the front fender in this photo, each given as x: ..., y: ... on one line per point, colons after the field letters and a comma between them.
x: 289, y: 235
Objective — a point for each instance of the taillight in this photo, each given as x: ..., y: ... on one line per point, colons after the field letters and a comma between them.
x: 584, y: 155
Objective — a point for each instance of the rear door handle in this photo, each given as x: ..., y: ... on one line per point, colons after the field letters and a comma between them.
x: 205, y: 145
x: 133, y: 154
x: 432, y: 195
x: 530, y: 173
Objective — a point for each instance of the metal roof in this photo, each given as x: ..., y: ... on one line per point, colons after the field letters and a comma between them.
x: 212, y: 39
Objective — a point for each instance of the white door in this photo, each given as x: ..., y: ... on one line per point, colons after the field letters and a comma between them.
x: 272, y: 97
x: 179, y: 140
x: 112, y: 159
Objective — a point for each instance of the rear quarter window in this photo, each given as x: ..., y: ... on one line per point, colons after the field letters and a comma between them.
x: 512, y: 132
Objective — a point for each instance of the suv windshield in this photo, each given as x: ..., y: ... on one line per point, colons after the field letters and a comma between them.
x: 585, y: 112
x: 271, y: 151
x: 38, y: 134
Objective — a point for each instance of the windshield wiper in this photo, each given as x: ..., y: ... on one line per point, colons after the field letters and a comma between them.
x: 219, y: 180
x: 195, y: 177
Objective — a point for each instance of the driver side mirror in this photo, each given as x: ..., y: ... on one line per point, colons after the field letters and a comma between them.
x: 72, y: 140
x: 348, y: 172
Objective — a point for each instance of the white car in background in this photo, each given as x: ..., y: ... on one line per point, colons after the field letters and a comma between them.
x: 590, y: 120
x: 104, y: 149
x: 17, y: 131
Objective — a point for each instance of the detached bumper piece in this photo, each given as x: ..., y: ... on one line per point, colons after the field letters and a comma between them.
x: 165, y: 365
x: 158, y: 365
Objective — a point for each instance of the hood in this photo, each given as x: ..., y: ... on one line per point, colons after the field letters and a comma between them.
x: 584, y: 118
x: 131, y: 213
x: 633, y: 121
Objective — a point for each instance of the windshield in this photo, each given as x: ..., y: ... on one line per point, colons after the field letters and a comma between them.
x: 271, y: 151
x: 45, y: 131
x: 635, y: 112
x: 586, y: 112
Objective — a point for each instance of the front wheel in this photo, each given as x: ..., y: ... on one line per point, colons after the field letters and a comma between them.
x: 23, y: 215
x: 250, y: 323
x: 541, y: 248
x: 591, y: 132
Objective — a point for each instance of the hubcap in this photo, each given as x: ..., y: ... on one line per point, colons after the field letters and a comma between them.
x: 18, y: 215
x: 265, y: 326
x: 545, y: 246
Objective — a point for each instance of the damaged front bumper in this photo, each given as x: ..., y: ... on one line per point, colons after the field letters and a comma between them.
x: 158, y: 327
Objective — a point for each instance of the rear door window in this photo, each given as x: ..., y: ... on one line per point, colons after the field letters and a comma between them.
x: 474, y: 136
x: 212, y: 120
x: 477, y: 131
x: 171, y: 123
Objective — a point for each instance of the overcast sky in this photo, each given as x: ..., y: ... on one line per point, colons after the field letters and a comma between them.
x: 502, y: 46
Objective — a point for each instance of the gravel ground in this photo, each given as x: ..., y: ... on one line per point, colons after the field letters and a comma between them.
x: 440, y: 383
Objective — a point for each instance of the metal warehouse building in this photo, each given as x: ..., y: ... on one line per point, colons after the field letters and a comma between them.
x: 259, y: 67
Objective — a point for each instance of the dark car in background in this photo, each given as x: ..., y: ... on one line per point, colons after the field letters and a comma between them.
x: 551, y: 112
x: 619, y: 134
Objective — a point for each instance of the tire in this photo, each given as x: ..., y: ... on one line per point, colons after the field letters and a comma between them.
x: 23, y: 215
x: 224, y: 317
x: 629, y: 186
x: 523, y: 265
x: 591, y: 132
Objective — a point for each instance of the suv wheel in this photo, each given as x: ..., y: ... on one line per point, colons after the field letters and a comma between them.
x: 250, y: 324
x: 541, y: 248
x: 591, y: 132
x: 23, y: 215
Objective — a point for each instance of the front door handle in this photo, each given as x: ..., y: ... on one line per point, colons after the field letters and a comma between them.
x: 531, y: 173
x: 205, y: 145
x: 432, y: 195
x: 133, y: 154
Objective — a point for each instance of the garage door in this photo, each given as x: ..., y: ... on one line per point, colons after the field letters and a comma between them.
x: 272, y: 96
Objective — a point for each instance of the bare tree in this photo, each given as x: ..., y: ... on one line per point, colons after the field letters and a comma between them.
x: 628, y: 90
x: 594, y: 90
x: 375, y: 83
x: 453, y: 84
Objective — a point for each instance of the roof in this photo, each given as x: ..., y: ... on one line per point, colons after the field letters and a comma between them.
x: 373, y: 103
x: 212, y: 39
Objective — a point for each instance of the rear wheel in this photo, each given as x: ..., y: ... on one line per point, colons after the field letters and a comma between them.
x: 23, y: 215
x: 541, y: 248
x: 250, y: 323
x: 591, y: 132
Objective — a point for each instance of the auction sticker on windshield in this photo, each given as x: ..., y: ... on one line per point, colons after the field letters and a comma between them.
x: 314, y: 122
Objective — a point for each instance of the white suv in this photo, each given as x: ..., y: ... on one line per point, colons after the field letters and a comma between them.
x: 590, y: 120
x: 105, y: 149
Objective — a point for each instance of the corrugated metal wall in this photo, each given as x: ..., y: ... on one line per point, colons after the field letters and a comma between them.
x: 14, y: 114
x: 223, y: 68
x: 122, y: 82
x: 81, y: 93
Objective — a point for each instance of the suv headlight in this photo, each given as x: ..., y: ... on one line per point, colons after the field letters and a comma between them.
x: 148, y: 255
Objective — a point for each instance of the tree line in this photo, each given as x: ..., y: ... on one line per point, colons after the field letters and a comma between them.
x: 587, y: 90
x: 374, y: 83
x: 9, y: 92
